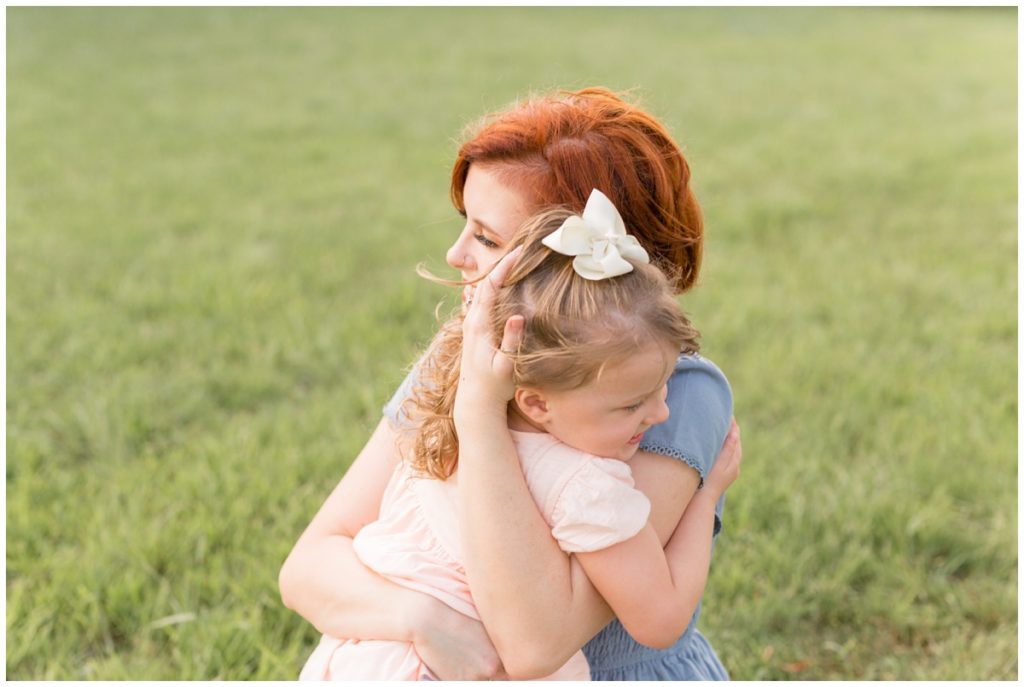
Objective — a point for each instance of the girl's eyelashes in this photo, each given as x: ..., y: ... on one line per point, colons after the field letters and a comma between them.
x: 484, y: 241
x: 633, y: 408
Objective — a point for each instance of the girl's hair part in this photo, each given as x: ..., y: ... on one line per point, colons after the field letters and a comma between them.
x: 557, y: 148
x: 573, y: 329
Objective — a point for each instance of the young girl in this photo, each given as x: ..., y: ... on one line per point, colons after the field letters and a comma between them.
x: 601, y: 336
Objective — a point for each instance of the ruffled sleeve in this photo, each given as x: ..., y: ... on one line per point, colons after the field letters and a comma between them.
x: 598, y: 507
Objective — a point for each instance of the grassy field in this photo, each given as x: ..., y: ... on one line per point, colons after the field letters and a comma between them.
x: 213, y: 217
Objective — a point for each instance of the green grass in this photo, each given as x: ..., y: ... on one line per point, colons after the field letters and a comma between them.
x: 213, y: 216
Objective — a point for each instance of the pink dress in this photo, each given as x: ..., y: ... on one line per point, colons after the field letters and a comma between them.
x: 589, y: 502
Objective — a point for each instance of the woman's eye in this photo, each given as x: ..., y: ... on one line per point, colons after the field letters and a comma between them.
x: 484, y: 241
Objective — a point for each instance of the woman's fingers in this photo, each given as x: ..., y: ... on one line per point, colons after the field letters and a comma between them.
x: 504, y: 266
x: 513, y: 334
x: 456, y: 647
x: 486, y: 376
x: 489, y: 285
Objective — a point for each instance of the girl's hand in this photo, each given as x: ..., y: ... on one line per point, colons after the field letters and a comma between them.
x: 454, y: 646
x: 485, y: 380
x: 727, y: 465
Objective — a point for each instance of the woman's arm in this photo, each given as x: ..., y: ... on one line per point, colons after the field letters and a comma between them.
x: 311, y: 577
x: 537, y: 604
x: 323, y: 580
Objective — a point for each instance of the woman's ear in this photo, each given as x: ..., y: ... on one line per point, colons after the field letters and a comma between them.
x: 532, y: 403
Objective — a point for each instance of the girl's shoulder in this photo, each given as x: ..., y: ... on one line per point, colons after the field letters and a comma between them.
x: 589, y: 502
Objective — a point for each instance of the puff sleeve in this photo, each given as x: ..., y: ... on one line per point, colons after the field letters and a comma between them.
x: 598, y: 507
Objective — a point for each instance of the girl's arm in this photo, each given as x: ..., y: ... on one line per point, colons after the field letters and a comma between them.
x: 655, y: 592
x: 324, y: 582
x: 538, y: 605
x: 536, y: 602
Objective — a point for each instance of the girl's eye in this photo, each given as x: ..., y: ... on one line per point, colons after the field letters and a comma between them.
x: 633, y: 408
x: 484, y: 241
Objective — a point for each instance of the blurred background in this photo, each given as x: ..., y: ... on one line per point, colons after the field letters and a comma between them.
x: 213, y: 219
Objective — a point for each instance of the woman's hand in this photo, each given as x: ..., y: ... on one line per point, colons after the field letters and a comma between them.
x: 454, y: 646
x: 727, y: 465
x: 485, y: 380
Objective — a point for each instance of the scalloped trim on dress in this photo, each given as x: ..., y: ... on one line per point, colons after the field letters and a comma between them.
x: 678, y: 455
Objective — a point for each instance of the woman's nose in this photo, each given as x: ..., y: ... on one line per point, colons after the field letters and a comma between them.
x: 458, y: 255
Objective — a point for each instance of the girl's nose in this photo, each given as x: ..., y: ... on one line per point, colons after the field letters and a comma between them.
x: 660, y: 412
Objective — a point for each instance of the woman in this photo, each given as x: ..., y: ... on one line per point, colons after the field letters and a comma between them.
x: 537, y: 605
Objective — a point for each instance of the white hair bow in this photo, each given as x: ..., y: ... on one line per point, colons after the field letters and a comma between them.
x: 598, y: 239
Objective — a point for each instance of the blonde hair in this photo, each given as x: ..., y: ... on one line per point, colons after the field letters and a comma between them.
x: 574, y: 328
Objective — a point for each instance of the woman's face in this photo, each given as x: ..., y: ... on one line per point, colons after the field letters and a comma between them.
x: 494, y: 211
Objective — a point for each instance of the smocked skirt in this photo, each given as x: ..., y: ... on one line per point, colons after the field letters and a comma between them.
x: 613, y: 655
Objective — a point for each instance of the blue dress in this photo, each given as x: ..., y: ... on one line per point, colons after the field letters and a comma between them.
x: 700, y: 404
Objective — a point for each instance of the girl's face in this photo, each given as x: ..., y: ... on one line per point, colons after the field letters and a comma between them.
x: 494, y: 211
x: 608, y: 416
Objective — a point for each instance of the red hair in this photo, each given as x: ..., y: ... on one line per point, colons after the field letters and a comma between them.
x: 558, y: 148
